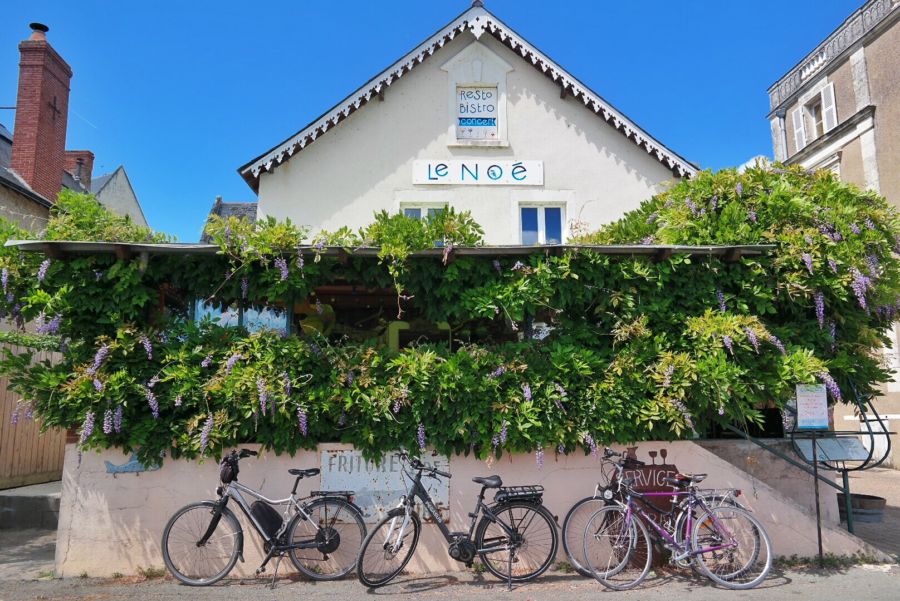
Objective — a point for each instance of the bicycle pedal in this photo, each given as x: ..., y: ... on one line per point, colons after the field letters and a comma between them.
x: 260, y: 571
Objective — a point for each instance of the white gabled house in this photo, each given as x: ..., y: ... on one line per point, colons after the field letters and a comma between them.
x: 475, y: 118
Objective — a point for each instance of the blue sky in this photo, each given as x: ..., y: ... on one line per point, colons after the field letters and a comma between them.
x: 183, y: 93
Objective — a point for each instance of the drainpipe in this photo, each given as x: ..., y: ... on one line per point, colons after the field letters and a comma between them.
x: 782, y: 133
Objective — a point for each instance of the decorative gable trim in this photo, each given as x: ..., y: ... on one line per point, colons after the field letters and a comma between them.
x: 479, y: 22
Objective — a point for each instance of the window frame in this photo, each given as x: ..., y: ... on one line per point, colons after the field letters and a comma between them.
x: 424, y: 207
x: 542, y: 221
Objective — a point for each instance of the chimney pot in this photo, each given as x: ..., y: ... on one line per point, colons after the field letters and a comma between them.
x: 38, y: 31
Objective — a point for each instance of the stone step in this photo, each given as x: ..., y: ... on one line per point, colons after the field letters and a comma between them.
x: 35, y: 506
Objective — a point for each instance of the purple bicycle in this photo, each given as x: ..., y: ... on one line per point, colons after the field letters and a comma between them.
x: 725, y: 543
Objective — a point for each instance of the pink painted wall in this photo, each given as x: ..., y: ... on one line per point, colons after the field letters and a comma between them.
x: 114, y: 523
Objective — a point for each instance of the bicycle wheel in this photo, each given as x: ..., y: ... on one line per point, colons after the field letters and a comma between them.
x: 746, y: 554
x: 533, y: 542
x: 573, y: 532
x: 195, y: 564
x: 617, y: 548
x: 387, y: 550
x: 682, y: 529
x: 330, y: 539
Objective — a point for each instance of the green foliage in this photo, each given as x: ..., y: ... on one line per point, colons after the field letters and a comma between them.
x: 80, y: 217
x: 639, y: 349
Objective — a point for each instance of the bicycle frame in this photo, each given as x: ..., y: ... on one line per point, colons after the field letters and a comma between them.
x: 234, y: 490
x: 693, y: 501
x: 417, y: 490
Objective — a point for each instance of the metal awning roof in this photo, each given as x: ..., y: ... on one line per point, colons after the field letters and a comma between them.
x: 124, y: 250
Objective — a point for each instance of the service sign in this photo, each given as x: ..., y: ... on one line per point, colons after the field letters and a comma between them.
x: 379, y: 486
x: 479, y: 172
x: 812, y: 407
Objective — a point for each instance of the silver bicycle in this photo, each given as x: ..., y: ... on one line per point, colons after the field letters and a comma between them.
x: 321, y: 533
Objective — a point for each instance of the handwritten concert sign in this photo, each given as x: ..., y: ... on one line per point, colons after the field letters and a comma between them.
x: 479, y: 172
x: 476, y: 113
x: 812, y: 407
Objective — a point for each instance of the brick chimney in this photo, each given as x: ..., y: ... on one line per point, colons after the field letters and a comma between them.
x: 42, y: 108
x: 80, y: 163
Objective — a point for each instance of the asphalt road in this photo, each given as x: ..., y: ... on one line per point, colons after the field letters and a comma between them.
x: 864, y: 583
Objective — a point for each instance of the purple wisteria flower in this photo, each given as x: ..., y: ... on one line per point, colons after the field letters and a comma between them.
x: 349, y: 378
x: 98, y: 275
x: 232, y: 361
x: 539, y: 457
x: 855, y: 228
x: 227, y: 233
x: 148, y: 346
x: 102, y: 352
x: 87, y: 428
x: 29, y: 412
x: 300, y: 261
x: 870, y: 225
x: 714, y: 202
x: 652, y: 217
x: 497, y: 266
x: 342, y: 419
x: 721, y: 409
x: 98, y: 385
x: 729, y: 344
x: 808, y: 239
x: 777, y: 344
x: 503, y: 432
x: 518, y: 266
x: 287, y: 383
x: 396, y: 406
x: 320, y: 244
x: 526, y: 392
x: 647, y: 241
x: 420, y: 437
x: 153, y: 381
x: 497, y: 372
x: 819, y: 299
x: 108, y: 421
x: 833, y: 265
x: 721, y: 297
x: 302, y: 421
x: 263, y: 394
x: 178, y: 400
x: 667, y: 375
x: 204, y: 434
x: 739, y: 189
x: 319, y: 308
x: 860, y: 285
x: 561, y: 449
x: 42, y: 270
x: 281, y: 264
x: 833, y: 389
x: 245, y: 286
x: 153, y: 402
x: 807, y: 260
x: 693, y: 207
x: 4, y: 279
x: 685, y: 414
x: 751, y: 215
x: 50, y: 327
x: 562, y: 395
x: 590, y: 442
x: 117, y: 418
x: 14, y: 418
x: 751, y: 336
x: 873, y: 265
x: 207, y: 361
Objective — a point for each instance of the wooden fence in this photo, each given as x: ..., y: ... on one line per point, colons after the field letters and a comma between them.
x: 27, y: 456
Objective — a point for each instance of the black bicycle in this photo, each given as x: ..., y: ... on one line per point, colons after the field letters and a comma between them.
x: 320, y: 533
x: 515, y: 539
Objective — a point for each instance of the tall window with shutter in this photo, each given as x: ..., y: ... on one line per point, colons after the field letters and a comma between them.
x: 816, y: 115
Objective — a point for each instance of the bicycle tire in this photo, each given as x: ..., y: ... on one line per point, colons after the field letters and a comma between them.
x: 338, y: 536
x: 376, y: 538
x: 680, y: 528
x: 725, y: 526
x: 192, y: 522
x: 626, y: 548
x: 543, y: 543
x: 573, y: 532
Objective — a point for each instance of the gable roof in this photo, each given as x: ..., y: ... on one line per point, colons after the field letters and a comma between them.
x: 479, y: 21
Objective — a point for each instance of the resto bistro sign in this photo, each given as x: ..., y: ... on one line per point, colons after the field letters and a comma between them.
x: 479, y: 172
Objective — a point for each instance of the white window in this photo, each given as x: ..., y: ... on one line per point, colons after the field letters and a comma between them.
x: 422, y: 211
x: 541, y: 224
x: 816, y: 115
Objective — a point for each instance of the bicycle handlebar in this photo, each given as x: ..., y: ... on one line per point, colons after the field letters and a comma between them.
x: 245, y: 453
x: 416, y: 464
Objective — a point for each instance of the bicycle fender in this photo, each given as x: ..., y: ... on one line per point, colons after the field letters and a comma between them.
x: 397, y: 512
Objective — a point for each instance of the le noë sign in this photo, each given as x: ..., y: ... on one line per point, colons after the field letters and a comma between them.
x: 478, y: 172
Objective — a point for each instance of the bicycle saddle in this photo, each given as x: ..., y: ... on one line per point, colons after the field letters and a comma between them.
x: 304, y: 473
x: 489, y: 481
x: 685, y: 480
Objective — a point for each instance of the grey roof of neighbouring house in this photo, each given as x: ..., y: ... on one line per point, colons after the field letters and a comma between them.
x: 97, y: 183
x: 241, y: 210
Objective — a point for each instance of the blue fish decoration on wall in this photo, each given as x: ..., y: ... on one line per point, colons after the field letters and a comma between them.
x: 133, y: 466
